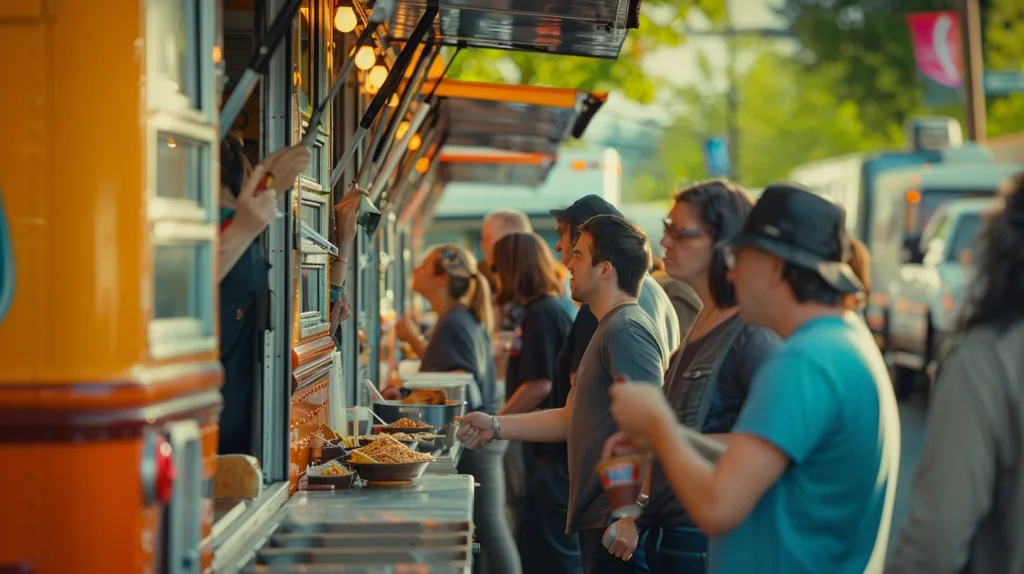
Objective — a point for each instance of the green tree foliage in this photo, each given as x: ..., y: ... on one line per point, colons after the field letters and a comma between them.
x: 591, y: 74
x: 1004, y: 43
x: 869, y: 46
x: 786, y: 117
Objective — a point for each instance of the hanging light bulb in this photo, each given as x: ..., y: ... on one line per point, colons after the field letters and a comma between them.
x: 402, y: 128
x: 377, y: 75
x: 344, y: 19
x: 415, y: 142
x: 422, y: 165
x: 393, y: 102
x: 365, y: 58
x: 368, y: 86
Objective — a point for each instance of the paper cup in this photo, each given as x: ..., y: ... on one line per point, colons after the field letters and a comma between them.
x: 622, y: 483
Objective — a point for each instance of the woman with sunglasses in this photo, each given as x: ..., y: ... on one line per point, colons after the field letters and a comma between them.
x: 448, y: 278
x: 709, y: 376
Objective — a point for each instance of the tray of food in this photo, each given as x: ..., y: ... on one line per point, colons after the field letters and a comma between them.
x: 405, y: 426
x: 388, y: 461
x: 331, y: 473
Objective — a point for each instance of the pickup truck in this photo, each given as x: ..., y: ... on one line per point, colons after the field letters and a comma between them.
x: 930, y: 291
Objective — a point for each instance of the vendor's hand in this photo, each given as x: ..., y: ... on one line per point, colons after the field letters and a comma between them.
x: 406, y: 329
x: 639, y: 409
x: 345, y: 311
x: 346, y: 211
x: 626, y: 538
x: 286, y: 164
x: 254, y: 212
x: 475, y: 430
x: 621, y: 444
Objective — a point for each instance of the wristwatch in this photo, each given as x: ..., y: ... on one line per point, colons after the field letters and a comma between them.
x: 496, y: 427
x: 642, y: 500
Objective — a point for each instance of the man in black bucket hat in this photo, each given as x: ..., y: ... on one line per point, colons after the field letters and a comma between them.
x: 805, y: 482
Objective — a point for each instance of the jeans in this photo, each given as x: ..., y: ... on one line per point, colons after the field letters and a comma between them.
x: 545, y: 547
x: 497, y: 548
x: 673, y: 550
x: 596, y: 559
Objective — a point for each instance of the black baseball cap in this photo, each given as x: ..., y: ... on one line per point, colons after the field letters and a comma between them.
x: 804, y: 229
x: 585, y: 208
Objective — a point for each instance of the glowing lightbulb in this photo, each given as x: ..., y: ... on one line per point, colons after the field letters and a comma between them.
x: 345, y: 19
x: 422, y: 165
x: 377, y: 75
x: 415, y: 142
x: 393, y: 102
x: 368, y: 87
x: 365, y: 58
x: 402, y: 128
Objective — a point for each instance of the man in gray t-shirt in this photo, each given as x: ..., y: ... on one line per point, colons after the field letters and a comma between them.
x: 610, y: 260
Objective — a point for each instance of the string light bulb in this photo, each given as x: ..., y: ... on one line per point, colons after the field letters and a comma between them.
x: 365, y: 58
x: 344, y: 19
x: 376, y: 76
x: 415, y: 142
x: 402, y: 128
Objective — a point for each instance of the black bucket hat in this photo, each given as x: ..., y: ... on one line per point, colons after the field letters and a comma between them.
x: 803, y: 229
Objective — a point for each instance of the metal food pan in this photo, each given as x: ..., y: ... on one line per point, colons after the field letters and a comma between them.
x: 378, y: 528
x: 286, y: 556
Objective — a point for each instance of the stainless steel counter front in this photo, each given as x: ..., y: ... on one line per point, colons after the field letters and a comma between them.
x: 434, y: 498
x: 369, y: 529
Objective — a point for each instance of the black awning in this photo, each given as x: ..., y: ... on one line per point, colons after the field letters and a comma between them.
x: 595, y: 29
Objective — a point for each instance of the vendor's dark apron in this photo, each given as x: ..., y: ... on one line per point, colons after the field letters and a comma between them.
x: 239, y: 330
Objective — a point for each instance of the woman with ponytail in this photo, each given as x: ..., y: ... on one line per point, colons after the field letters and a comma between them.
x: 448, y: 278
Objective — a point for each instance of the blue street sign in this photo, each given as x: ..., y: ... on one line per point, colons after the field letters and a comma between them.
x: 1004, y: 82
x: 716, y: 157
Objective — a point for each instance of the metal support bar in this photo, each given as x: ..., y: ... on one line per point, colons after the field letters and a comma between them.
x: 378, y: 130
x: 388, y: 88
x: 974, y: 82
x: 317, y: 117
x: 257, y: 65
x: 398, y: 151
x: 426, y: 58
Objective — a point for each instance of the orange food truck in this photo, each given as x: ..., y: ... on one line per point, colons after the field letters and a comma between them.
x: 109, y: 240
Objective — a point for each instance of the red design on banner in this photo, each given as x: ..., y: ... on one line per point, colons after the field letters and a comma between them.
x: 937, y: 48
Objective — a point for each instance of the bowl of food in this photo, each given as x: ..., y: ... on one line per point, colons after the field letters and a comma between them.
x: 419, y: 417
x: 386, y: 460
x: 331, y: 473
x: 405, y: 426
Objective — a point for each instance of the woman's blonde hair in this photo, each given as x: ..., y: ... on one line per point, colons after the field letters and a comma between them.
x: 466, y: 283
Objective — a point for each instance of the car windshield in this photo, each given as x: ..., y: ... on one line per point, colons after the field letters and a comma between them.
x: 962, y: 242
x: 931, y: 199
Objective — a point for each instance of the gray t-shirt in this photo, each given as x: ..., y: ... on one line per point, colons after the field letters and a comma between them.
x: 626, y: 343
x: 657, y: 304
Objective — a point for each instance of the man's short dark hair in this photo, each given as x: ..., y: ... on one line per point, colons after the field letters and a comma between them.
x: 622, y: 244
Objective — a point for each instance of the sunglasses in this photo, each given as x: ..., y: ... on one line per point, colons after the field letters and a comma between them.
x: 680, y: 232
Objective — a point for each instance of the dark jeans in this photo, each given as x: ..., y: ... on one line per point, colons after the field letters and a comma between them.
x: 596, y: 559
x: 673, y: 550
x: 545, y: 547
x: 497, y: 548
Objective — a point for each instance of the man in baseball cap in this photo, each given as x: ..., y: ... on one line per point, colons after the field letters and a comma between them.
x: 809, y: 471
x: 652, y: 299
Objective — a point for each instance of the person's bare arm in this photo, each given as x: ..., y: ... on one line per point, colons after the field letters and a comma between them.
x: 528, y: 396
x: 719, y: 496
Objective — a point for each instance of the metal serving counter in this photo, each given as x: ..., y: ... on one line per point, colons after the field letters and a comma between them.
x: 375, y: 530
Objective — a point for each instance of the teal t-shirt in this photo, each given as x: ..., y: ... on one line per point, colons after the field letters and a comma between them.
x: 825, y: 399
